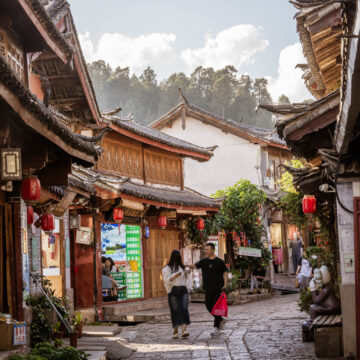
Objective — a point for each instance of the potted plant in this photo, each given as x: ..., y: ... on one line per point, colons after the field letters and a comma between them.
x: 78, y: 323
x: 73, y: 337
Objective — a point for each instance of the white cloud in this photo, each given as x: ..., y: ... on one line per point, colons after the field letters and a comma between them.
x: 289, y: 81
x: 155, y: 50
x: 236, y: 46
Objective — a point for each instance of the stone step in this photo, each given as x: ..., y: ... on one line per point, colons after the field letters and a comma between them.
x: 102, y: 330
x: 116, y: 347
x: 96, y: 355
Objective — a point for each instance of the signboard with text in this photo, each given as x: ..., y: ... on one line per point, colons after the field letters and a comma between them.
x: 122, y: 243
x: 248, y: 251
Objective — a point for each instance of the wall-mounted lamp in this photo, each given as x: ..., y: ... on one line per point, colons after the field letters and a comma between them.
x: 326, y: 188
x: 11, y: 164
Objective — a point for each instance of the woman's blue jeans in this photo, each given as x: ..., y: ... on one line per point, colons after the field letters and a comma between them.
x: 178, y: 303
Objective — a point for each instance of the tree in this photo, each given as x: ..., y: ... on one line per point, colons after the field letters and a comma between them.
x: 240, y: 212
x: 283, y: 100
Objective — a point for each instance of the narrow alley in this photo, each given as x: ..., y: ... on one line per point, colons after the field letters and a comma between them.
x: 269, y: 329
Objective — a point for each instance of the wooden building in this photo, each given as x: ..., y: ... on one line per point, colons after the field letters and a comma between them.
x: 34, y: 142
x: 326, y: 133
x: 141, y: 171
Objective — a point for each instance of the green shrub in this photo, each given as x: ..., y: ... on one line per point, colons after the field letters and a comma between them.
x: 47, y: 351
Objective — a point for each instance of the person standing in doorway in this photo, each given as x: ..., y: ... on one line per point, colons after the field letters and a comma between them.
x: 215, y: 279
x: 296, y: 245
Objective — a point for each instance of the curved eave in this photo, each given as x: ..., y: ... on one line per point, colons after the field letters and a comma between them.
x: 145, y: 140
x: 51, y: 42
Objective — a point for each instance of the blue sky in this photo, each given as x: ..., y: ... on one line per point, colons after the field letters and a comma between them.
x: 258, y: 37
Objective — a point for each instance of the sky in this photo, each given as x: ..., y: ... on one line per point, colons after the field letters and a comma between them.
x: 258, y: 37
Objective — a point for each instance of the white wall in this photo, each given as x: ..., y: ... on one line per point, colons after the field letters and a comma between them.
x: 234, y: 159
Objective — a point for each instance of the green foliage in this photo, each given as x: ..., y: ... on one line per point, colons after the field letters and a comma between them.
x: 41, y: 329
x: 78, y: 319
x: 240, y: 212
x: 223, y: 92
x: 305, y: 300
x: 47, y: 351
x: 291, y: 202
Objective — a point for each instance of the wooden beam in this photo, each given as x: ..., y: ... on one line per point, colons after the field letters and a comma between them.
x: 56, y: 174
x: 44, y: 33
x: 33, y: 122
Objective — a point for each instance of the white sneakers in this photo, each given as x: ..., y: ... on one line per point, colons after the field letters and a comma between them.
x: 217, y: 330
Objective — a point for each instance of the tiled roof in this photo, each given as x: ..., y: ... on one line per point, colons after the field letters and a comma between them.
x: 156, y: 135
x: 48, y: 119
x: 162, y: 194
x: 45, y: 20
x: 259, y: 133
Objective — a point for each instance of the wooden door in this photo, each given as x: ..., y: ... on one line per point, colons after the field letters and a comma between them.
x: 159, y: 247
x: 357, y: 269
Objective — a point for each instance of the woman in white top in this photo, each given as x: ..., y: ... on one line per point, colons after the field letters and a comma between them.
x: 304, y: 272
x: 175, y: 280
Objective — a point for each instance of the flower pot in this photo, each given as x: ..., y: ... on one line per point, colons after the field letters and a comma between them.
x: 73, y: 338
x: 58, y: 335
x: 79, y: 329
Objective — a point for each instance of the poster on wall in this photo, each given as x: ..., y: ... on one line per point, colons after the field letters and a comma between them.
x: 122, y: 243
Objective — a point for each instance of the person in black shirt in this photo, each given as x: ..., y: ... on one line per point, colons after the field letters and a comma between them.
x: 215, y: 278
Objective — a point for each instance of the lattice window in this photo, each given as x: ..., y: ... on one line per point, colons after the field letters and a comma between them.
x: 13, y: 54
x: 123, y: 159
x: 162, y: 169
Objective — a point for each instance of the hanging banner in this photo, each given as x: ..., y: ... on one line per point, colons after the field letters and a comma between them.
x: 247, y: 251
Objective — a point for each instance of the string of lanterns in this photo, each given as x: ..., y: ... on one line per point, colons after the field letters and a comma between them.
x: 30, y: 193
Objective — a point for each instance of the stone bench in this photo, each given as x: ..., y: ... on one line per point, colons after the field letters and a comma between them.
x: 328, y: 336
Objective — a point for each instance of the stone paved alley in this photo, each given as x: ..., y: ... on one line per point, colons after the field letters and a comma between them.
x: 269, y: 329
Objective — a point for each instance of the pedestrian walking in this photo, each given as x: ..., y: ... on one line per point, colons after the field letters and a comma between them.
x: 175, y: 281
x: 296, y: 245
x: 215, y: 279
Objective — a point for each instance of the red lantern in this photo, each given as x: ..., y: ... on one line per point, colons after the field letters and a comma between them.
x: 162, y: 221
x: 118, y: 214
x: 48, y: 222
x: 200, y: 224
x: 30, y: 215
x: 309, y: 204
x: 30, y: 190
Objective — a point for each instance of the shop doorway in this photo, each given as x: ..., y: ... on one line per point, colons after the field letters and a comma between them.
x: 160, y: 244
x: 52, y: 258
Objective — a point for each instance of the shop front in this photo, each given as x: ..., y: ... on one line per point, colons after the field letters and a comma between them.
x: 122, y: 244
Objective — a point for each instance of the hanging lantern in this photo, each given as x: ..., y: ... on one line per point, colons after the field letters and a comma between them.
x: 147, y: 232
x: 30, y: 190
x: 118, y: 214
x: 48, y: 223
x: 30, y: 215
x: 200, y: 224
x: 162, y: 222
x: 309, y: 204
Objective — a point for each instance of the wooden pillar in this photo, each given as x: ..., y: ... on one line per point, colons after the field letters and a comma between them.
x: 357, y: 269
x: 17, y: 266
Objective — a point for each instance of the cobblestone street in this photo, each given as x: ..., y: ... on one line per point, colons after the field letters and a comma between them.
x: 269, y: 329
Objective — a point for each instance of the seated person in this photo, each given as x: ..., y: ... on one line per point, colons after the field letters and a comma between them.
x: 107, y: 263
x: 258, y: 275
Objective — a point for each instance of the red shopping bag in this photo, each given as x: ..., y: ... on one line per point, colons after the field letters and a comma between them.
x: 221, y: 306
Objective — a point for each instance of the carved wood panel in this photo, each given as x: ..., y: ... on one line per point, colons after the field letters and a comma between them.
x: 121, y: 158
x: 162, y: 168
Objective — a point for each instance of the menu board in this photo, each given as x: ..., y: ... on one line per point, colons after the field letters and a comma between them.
x: 122, y: 243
